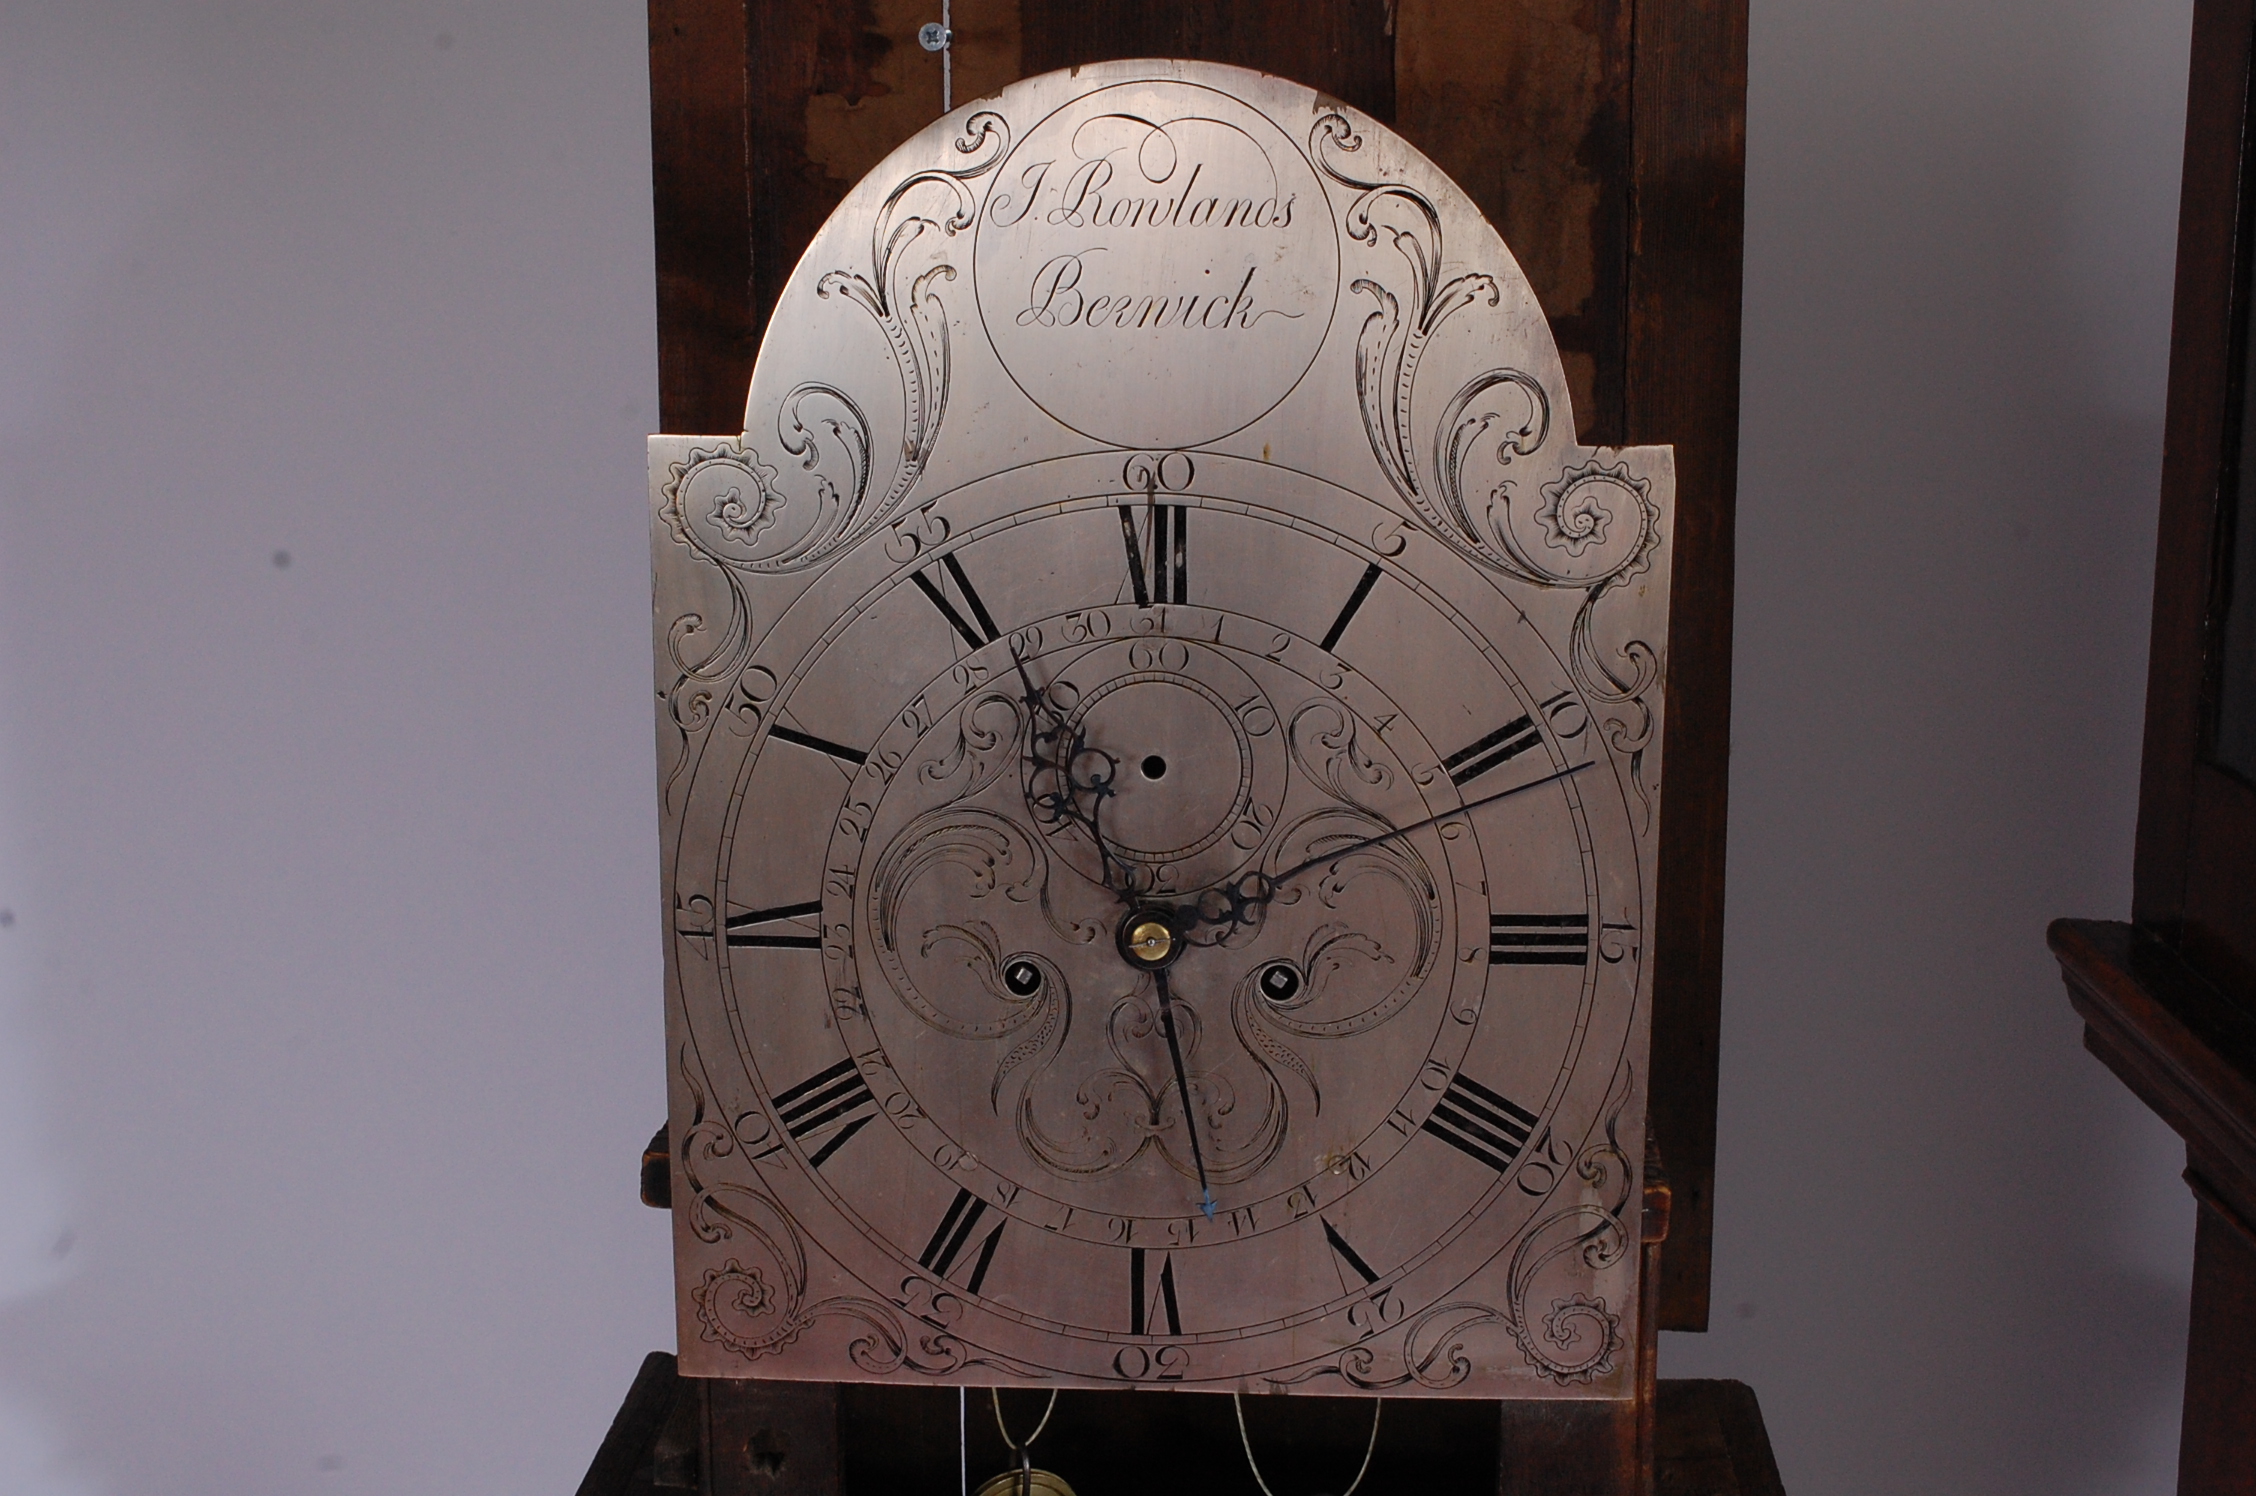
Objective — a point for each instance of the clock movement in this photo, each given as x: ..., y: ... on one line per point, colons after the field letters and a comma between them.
x: 1160, y: 766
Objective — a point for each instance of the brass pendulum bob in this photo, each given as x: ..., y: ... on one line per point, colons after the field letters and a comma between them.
x: 1025, y: 1480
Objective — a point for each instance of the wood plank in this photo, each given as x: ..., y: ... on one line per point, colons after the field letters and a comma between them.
x: 796, y: 52
x: 621, y: 1466
x: 2217, y: 921
x: 701, y: 205
x: 2217, y: 1441
x: 1527, y: 107
x: 1681, y: 386
x: 771, y: 1438
x: 1711, y: 1442
x: 1341, y: 47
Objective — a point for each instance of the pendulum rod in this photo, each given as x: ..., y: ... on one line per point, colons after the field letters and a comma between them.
x: 1023, y: 1452
x: 1378, y: 1405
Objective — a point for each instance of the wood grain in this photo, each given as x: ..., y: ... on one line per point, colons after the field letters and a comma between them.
x: 701, y: 202
x: 1344, y: 48
x: 1681, y: 386
x: 2189, y: 1052
x: 1527, y: 107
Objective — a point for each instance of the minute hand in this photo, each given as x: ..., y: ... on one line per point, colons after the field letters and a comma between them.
x: 1183, y: 1085
x: 1385, y: 836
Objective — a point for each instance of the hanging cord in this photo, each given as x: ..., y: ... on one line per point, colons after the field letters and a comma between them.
x: 1378, y: 1405
x: 1022, y: 1451
x: 963, y: 1442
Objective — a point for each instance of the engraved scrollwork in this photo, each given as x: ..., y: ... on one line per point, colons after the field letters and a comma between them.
x: 992, y: 857
x: 743, y: 515
x: 914, y: 321
x: 1574, y: 1339
x: 755, y: 1303
x: 1597, y: 525
x: 1322, y: 737
x: 988, y: 732
x: 1338, y: 952
x: 1394, y: 338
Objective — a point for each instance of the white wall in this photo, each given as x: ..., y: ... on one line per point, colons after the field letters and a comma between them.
x: 328, y: 1027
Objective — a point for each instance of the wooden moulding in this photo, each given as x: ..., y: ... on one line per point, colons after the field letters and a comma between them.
x: 2180, y: 1045
x: 1605, y: 139
x: 2189, y: 1053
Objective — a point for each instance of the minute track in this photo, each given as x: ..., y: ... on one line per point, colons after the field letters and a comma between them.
x: 1023, y: 666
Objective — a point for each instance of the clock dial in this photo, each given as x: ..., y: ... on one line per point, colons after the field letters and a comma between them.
x: 1164, y: 916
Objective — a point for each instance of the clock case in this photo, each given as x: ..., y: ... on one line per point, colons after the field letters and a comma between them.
x: 1626, y: 184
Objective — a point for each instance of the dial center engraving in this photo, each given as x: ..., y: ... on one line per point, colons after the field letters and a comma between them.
x: 1153, y: 719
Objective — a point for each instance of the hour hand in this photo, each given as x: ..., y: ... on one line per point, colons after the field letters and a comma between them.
x: 1238, y: 904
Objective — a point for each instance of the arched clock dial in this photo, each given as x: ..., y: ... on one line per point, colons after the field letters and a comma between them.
x: 1169, y: 916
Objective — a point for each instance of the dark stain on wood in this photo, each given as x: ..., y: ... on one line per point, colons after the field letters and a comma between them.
x: 1344, y: 48
x: 1681, y: 386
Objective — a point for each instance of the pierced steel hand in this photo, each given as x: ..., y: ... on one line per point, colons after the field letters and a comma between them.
x: 1183, y: 1085
x: 1240, y: 902
x: 1064, y: 804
